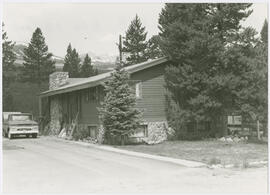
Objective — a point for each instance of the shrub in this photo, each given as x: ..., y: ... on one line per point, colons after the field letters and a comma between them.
x: 80, y: 134
x: 214, y: 161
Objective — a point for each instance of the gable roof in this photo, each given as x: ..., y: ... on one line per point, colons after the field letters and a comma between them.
x: 75, y: 84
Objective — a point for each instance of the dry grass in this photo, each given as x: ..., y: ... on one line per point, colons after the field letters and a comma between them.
x: 210, y: 152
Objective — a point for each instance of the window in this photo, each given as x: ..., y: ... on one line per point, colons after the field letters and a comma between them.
x: 234, y: 120
x: 138, y: 90
x: 92, y: 94
x: 20, y: 117
x: 93, y: 131
x: 142, y: 131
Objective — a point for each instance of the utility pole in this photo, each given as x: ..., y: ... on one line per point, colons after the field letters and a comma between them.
x: 120, y: 49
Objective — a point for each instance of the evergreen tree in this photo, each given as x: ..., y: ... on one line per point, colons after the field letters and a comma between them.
x: 118, y: 113
x: 153, y: 49
x: 135, y: 42
x: 200, y: 40
x: 8, y: 59
x: 87, y: 69
x: 253, y: 98
x: 72, y: 62
x: 38, y: 63
x: 264, y: 32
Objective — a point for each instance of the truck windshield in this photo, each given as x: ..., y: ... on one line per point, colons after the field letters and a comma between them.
x: 21, y: 117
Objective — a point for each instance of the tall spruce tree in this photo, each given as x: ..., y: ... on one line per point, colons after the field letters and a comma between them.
x: 8, y: 59
x: 38, y: 63
x: 118, y: 114
x: 72, y: 62
x: 135, y: 42
x: 200, y: 40
x: 264, y: 33
x: 87, y: 69
x: 153, y: 48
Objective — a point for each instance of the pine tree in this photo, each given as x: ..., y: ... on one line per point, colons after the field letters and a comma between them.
x: 200, y: 40
x: 87, y: 69
x: 72, y: 62
x: 38, y: 63
x: 264, y: 32
x: 253, y: 98
x: 8, y: 59
x: 135, y: 42
x: 153, y: 50
x: 118, y: 113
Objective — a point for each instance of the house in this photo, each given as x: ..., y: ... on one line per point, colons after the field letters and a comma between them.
x: 79, y: 98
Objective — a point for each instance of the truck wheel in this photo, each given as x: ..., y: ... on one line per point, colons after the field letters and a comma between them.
x: 5, y: 134
x: 34, y: 135
x: 27, y: 135
x: 10, y: 136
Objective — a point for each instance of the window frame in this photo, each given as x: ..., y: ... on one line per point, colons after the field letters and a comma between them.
x: 138, y: 90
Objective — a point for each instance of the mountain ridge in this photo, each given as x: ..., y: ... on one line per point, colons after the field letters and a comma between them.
x: 104, y: 61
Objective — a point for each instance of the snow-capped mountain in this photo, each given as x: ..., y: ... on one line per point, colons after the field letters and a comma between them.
x: 102, y: 62
x: 100, y: 59
x: 18, y: 50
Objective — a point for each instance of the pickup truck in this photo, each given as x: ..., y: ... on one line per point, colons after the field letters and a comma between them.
x: 17, y: 123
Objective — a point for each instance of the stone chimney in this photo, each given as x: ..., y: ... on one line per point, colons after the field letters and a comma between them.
x: 57, y: 79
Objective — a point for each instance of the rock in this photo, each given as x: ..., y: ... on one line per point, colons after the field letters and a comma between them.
x: 222, y: 139
x: 156, y: 133
x: 236, y: 139
x: 170, y: 133
x: 215, y: 166
x: 229, y: 139
x: 242, y: 139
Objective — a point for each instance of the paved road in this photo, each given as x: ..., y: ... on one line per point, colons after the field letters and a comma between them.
x: 46, y: 165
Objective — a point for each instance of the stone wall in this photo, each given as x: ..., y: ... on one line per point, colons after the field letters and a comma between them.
x: 157, y: 132
x: 57, y: 79
x: 55, y: 116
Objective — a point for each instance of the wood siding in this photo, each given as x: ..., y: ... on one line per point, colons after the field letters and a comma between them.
x: 89, y: 108
x: 152, y: 102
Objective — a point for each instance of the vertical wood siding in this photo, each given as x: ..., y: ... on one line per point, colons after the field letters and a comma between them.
x: 89, y: 109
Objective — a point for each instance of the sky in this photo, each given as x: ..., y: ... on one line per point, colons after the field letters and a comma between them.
x: 89, y: 27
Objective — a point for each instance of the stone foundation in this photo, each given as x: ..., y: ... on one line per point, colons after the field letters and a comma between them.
x: 100, y: 136
x: 157, y: 132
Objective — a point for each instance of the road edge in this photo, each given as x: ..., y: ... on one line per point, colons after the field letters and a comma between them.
x: 182, y: 162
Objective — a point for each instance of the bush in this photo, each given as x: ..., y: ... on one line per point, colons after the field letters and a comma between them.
x: 80, y: 134
x: 214, y: 161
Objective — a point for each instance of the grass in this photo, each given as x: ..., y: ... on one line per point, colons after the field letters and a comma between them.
x: 210, y: 152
